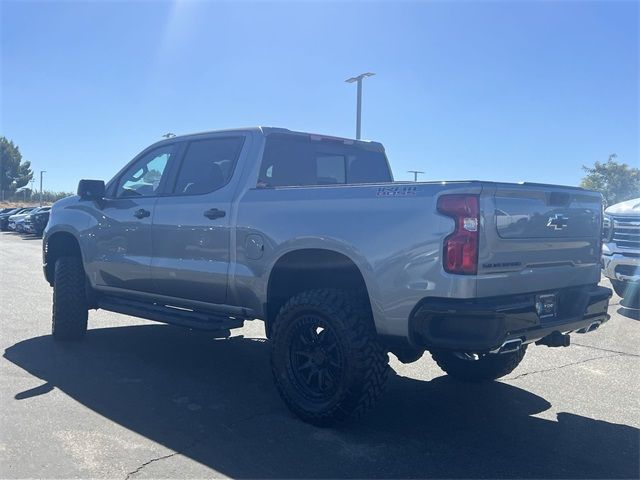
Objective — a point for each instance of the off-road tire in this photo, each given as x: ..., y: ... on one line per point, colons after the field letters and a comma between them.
x: 70, y: 310
x: 487, y: 367
x: 364, y: 363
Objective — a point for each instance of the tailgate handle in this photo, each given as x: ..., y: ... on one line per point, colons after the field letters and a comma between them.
x: 559, y: 199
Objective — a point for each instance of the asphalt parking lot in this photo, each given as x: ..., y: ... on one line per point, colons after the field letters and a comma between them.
x: 138, y: 399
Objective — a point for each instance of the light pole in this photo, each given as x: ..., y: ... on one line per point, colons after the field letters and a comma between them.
x: 41, y: 172
x: 415, y: 174
x: 359, y: 107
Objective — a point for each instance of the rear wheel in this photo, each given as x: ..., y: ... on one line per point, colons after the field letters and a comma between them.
x: 326, y: 360
x: 478, y: 367
x: 70, y: 309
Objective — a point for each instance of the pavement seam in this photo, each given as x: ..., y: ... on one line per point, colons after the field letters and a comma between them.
x: 157, y: 459
x: 605, y: 350
x: 563, y: 366
x: 164, y: 457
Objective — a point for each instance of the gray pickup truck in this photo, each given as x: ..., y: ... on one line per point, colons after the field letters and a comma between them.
x: 310, y: 234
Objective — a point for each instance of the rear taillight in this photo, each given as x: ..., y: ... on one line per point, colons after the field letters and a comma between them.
x: 460, y: 253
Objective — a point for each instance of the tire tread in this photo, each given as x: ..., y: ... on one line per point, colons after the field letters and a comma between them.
x: 368, y: 356
x: 70, y: 310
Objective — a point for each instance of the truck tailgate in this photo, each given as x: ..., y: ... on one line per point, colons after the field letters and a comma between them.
x: 538, y: 237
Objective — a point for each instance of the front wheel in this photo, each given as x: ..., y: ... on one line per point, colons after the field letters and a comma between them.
x: 478, y: 367
x: 70, y: 309
x: 326, y: 360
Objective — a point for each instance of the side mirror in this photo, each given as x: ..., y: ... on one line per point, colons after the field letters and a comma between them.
x: 91, y: 189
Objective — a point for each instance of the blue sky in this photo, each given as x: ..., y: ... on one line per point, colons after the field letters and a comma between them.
x: 489, y: 90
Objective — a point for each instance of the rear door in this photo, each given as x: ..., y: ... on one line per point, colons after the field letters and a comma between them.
x: 192, y: 224
x: 120, y: 246
x: 537, y: 237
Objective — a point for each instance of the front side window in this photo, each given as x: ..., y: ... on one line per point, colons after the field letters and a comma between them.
x: 208, y: 165
x: 143, y: 178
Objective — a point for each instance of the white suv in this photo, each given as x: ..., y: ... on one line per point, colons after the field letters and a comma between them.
x: 621, y: 246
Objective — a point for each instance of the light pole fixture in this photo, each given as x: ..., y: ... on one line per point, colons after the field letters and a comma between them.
x: 41, y: 172
x: 415, y: 174
x: 359, y: 107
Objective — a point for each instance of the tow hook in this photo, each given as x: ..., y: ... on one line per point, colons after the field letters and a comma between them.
x: 555, y: 339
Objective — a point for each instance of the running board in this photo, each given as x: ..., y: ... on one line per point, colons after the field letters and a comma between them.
x: 168, y: 314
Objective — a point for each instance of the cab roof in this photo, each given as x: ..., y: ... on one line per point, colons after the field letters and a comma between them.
x: 271, y: 130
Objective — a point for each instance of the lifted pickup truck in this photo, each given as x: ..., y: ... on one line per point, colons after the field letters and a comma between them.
x: 310, y: 234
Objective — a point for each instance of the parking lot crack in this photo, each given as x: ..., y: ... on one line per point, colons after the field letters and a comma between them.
x: 563, y: 366
x: 605, y: 349
x: 157, y: 459
x: 195, y: 442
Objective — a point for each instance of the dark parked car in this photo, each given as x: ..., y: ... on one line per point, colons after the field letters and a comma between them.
x: 16, y: 220
x: 4, y: 218
x: 37, y: 221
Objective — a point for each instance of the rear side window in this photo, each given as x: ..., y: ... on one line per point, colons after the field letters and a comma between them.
x: 291, y: 160
x: 208, y: 165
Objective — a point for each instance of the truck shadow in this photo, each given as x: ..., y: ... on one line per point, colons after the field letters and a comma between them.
x: 633, y: 313
x: 213, y: 401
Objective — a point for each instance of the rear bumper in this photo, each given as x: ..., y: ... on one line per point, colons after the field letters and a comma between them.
x: 484, y: 324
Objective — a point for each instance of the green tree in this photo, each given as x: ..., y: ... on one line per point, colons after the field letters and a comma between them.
x: 616, y: 181
x: 14, y: 173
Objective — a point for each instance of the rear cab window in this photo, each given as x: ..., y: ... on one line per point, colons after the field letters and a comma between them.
x: 299, y: 160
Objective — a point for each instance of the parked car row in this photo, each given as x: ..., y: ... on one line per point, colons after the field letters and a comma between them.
x: 29, y: 220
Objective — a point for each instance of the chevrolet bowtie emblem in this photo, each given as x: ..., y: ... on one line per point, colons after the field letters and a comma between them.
x: 558, y: 221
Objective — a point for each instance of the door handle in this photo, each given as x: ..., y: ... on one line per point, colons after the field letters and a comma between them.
x: 142, y: 213
x: 214, y: 213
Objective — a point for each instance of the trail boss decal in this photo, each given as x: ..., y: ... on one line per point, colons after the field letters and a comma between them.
x: 399, y: 191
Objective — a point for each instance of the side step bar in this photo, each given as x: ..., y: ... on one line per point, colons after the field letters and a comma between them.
x: 167, y: 314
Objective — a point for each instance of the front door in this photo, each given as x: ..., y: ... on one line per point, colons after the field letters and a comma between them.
x: 120, y: 245
x: 191, y: 228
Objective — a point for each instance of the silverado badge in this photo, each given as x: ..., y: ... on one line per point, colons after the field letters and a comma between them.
x: 558, y: 221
